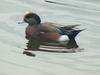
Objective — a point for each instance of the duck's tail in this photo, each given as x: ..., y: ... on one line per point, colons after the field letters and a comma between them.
x: 72, y: 34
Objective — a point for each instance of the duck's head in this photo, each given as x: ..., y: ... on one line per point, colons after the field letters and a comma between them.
x: 32, y: 18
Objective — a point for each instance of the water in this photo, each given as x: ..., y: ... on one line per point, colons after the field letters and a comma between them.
x: 12, y: 42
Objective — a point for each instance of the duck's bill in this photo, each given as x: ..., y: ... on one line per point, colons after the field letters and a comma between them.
x: 21, y: 22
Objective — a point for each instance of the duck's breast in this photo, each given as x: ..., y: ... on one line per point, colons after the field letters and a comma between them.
x: 32, y: 31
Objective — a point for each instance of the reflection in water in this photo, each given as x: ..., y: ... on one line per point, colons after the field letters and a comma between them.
x: 35, y: 44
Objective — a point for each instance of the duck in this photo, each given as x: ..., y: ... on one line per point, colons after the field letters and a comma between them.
x: 48, y: 33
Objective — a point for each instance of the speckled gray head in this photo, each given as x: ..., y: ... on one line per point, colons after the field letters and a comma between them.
x: 31, y: 18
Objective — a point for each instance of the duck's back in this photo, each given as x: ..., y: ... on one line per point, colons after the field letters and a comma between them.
x: 49, y: 27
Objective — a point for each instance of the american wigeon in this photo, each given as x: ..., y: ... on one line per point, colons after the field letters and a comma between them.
x: 38, y: 33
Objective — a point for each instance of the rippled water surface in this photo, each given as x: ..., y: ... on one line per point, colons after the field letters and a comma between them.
x: 66, y: 12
